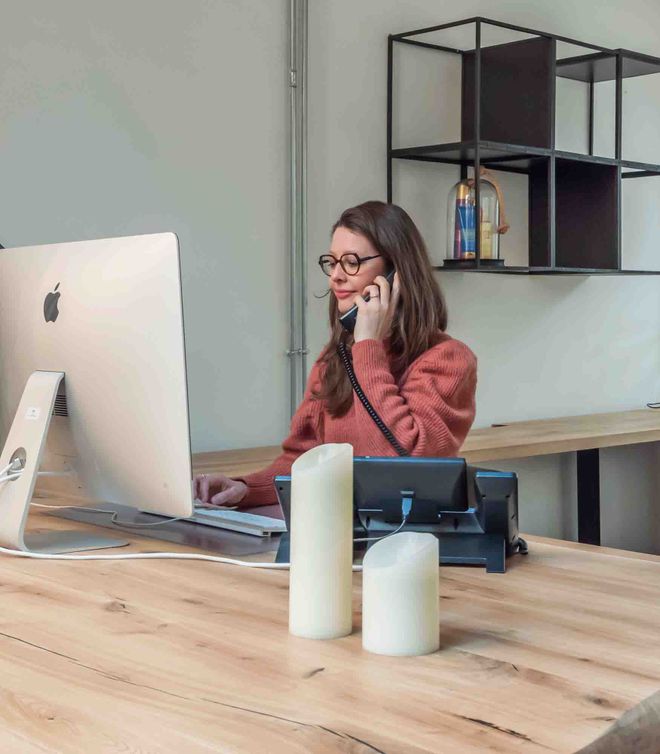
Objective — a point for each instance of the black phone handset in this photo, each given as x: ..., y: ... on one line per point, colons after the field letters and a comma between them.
x: 348, y: 320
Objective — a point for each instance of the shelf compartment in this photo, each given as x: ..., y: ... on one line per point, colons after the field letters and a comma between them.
x: 517, y: 93
x: 586, y: 213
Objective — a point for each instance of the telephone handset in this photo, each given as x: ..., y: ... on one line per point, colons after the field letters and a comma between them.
x: 349, y: 319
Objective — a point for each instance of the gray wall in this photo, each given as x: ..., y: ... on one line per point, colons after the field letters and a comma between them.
x: 132, y: 117
x: 127, y: 117
x: 547, y: 346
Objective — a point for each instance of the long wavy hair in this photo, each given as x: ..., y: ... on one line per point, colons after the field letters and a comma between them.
x: 421, y: 312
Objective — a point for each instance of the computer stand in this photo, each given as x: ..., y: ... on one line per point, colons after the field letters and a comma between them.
x: 25, y: 445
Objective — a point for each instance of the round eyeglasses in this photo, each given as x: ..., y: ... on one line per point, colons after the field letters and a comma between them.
x: 350, y: 262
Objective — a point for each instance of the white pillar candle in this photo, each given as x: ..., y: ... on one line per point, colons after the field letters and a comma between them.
x: 320, y: 585
x: 400, y: 595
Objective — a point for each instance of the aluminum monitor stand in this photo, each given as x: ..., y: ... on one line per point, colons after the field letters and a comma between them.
x: 26, y: 441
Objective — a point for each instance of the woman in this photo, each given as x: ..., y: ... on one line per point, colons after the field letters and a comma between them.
x: 419, y: 380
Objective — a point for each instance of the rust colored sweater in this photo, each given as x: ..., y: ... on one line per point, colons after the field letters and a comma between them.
x: 429, y: 411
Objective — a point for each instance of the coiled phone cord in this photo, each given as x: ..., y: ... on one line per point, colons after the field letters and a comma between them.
x: 343, y: 353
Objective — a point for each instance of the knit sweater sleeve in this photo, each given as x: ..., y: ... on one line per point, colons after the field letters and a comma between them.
x: 430, y: 413
x: 304, y: 433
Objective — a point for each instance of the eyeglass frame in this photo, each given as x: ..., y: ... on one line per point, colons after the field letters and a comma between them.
x: 341, y: 264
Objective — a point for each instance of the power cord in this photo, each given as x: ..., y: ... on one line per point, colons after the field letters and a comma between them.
x: 406, y: 507
x: 13, y: 467
x: 4, y: 477
x: 153, y: 556
x: 9, y: 477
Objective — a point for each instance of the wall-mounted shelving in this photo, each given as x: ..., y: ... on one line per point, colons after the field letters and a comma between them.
x: 508, y: 115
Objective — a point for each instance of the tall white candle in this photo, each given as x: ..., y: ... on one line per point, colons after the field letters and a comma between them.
x: 400, y: 595
x: 320, y: 585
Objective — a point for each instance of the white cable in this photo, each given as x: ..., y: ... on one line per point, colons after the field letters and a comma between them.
x: 157, y: 555
x: 153, y: 556
x: 389, y: 533
x: 4, y: 476
x: 64, y: 507
x: 140, y: 555
x: 15, y: 466
x: 9, y: 477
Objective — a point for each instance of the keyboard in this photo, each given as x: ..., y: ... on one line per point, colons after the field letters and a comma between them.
x: 246, y: 523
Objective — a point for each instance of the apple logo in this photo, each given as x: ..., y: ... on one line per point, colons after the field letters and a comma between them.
x: 51, y: 312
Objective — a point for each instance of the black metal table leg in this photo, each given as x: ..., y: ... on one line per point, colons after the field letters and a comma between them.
x: 588, y: 496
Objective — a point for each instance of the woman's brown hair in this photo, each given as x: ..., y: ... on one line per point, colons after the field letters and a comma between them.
x: 421, y: 311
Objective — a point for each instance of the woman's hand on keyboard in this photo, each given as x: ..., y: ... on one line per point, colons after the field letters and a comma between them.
x: 218, y: 490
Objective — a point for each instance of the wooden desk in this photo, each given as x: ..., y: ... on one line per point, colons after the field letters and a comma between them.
x: 177, y: 656
x: 583, y: 434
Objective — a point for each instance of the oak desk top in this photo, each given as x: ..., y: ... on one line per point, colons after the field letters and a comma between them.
x: 180, y: 656
x: 515, y: 440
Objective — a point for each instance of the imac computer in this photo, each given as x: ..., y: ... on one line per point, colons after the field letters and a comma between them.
x: 93, y: 380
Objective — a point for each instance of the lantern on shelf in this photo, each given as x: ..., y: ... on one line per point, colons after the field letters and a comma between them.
x: 462, y: 225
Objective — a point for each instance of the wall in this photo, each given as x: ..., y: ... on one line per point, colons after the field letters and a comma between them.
x: 120, y: 118
x: 132, y: 117
x: 547, y: 346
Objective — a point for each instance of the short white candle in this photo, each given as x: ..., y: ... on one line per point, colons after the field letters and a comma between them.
x: 320, y: 584
x: 400, y: 595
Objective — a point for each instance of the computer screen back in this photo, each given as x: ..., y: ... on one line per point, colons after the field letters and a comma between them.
x: 107, y: 313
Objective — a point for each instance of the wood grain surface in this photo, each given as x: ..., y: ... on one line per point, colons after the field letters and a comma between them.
x: 514, y: 440
x: 173, y: 656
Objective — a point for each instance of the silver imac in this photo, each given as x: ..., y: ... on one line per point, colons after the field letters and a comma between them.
x: 93, y: 380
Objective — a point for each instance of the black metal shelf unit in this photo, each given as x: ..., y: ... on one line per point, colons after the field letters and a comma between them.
x: 574, y: 198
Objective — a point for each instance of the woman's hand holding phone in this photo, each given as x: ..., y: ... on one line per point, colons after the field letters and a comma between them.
x: 374, y: 318
x: 218, y: 490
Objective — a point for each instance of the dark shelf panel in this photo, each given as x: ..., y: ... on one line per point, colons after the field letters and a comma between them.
x: 637, y: 64
x: 500, y: 156
x: 507, y: 157
x: 592, y: 159
x: 586, y: 212
x: 463, y: 151
x: 641, y: 167
x: 508, y: 112
x: 545, y: 271
x: 593, y: 67
x: 601, y: 66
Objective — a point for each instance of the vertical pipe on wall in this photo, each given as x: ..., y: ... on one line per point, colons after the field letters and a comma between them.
x: 298, y: 351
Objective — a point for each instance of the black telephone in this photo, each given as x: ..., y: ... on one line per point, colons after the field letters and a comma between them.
x: 349, y: 319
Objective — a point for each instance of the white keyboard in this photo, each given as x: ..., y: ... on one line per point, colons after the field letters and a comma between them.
x: 247, y: 523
